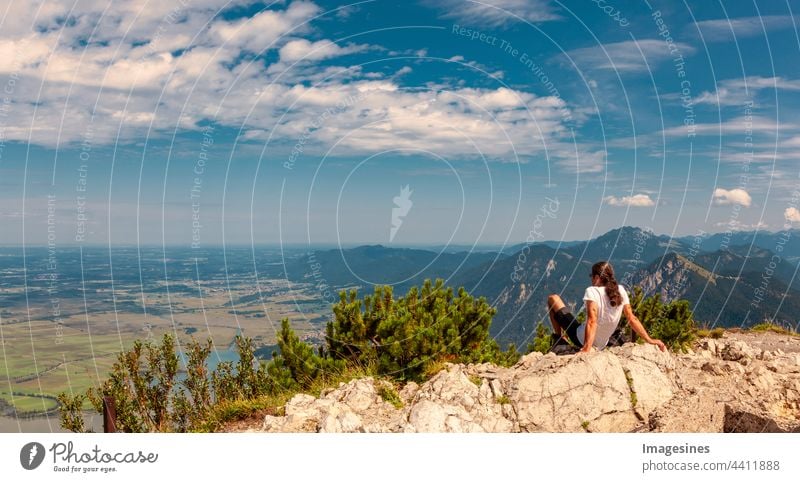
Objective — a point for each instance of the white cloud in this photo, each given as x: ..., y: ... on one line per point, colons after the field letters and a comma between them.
x: 626, y: 56
x: 302, y: 49
x: 636, y: 201
x: 732, y: 196
x: 736, y: 225
x: 136, y: 20
x: 736, y: 126
x: 792, y: 215
x: 585, y: 161
x: 496, y: 123
x: 184, y: 65
x: 180, y: 65
x: 741, y: 90
x: 496, y: 13
x: 734, y: 29
x: 260, y: 31
x: 477, y: 66
x: 113, y: 71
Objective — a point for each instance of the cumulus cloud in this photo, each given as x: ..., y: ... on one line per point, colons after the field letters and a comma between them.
x: 732, y: 196
x: 366, y: 116
x: 91, y: 70
x: 149, y: 68
x: 792, y: 215
x: 262, y: 30
x: 635, y: 201
x: 302, y: 49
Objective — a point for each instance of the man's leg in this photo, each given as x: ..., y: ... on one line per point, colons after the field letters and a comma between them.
x: 554, y: 303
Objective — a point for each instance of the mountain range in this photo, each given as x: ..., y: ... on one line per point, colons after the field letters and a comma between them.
x: 736, y: 279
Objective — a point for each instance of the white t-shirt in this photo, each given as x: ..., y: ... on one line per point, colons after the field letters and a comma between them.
x: 607, y: 316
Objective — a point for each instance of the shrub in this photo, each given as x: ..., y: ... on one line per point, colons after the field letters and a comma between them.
x: 143, y: 384
x: 407, y: 335
x: 542, y: 341
x: 71, y: 412
x: 672, y: 323
x: 302, y: 365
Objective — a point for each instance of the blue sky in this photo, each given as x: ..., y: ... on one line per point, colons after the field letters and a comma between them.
x: 234, y: 122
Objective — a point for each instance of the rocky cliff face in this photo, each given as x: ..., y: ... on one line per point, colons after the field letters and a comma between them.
x: 739, y: 383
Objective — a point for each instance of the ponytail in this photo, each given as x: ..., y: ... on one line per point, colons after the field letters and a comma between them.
x: 604, y: 270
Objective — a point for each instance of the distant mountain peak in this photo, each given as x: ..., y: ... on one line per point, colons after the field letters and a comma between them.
x: 674, y: 261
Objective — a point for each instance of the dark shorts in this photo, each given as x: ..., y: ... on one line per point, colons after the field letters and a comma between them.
x: 569, y: 324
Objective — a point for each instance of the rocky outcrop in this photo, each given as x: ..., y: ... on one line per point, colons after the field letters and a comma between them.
x: 353, y: 407
x: 729, y: 385
x: 723, y: 385
x: 587, y: 391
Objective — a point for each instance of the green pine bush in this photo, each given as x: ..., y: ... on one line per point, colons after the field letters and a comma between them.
x: 408, y: 335
x: 542, y: 341
x: 672, y: 323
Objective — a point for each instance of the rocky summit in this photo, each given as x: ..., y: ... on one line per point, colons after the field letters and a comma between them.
x: 742, y: 382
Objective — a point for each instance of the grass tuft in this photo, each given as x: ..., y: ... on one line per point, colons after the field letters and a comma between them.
x: 629, y: 379
x: 774, y: 328
x: 388, y: 393
x: 715, y: 333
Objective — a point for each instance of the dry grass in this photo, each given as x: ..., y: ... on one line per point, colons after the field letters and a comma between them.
x: 774, y: 328
x: 710, y: 333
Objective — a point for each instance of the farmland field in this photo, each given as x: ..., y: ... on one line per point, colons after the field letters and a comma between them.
x: 64, y: 317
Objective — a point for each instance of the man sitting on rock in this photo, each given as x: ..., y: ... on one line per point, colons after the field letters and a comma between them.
x: 605, y: 301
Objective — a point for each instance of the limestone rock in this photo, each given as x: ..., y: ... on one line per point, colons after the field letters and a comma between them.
x: 451, y: 402
x: 735, y: 351
x: 648, y: 371
x: 551, y: 395
x: 741, y: 382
